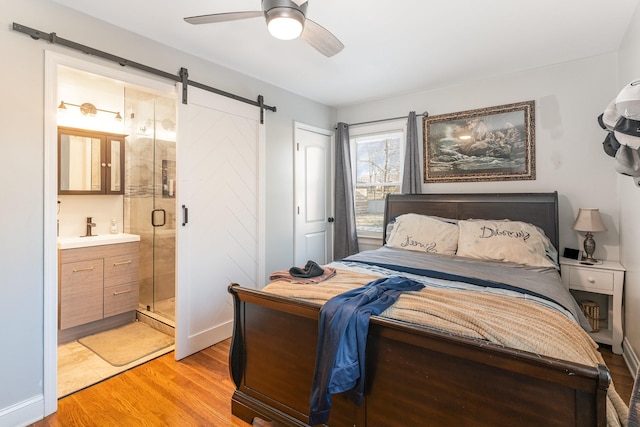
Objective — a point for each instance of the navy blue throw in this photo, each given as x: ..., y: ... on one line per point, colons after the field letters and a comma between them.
x: 342, y: 336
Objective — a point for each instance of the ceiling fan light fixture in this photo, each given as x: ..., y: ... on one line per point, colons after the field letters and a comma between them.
x: 286, y: 20
x: 285, y: 23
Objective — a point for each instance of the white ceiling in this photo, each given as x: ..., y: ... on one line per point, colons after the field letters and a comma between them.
x: 391, y: 48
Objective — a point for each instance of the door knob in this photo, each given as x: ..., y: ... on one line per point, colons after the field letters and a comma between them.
x: 331, y: 219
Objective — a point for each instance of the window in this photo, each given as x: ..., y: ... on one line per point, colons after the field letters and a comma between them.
x: 377, y: 168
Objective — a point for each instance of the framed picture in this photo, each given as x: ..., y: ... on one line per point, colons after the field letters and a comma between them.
x: 487, y: 144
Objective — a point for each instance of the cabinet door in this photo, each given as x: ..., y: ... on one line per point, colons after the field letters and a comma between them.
x: 121, y: 288
x: 90, y: 162
x: 80, y: 168
x: 81, y: 293
x: 114, y: 167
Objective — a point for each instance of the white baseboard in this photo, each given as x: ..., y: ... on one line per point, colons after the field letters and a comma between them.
x: 630, y: 357
x: 23, y: 413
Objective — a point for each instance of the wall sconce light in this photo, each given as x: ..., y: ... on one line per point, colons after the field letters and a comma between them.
x: 88, y: 109
x: 589, y: 220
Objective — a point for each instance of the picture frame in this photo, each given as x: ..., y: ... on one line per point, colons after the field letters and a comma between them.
x: 486, y: 144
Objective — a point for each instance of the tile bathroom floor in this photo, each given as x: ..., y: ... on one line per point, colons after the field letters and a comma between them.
x: 79, y: 367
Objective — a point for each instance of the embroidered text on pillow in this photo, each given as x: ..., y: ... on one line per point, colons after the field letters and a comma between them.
x: 428, y: 247
x: 422, y: 233
x: 488, y: 232
x: 506, y: 241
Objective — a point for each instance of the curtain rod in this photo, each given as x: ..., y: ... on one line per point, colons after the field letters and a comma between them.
x: 182, y: 77
x: 425, y: 114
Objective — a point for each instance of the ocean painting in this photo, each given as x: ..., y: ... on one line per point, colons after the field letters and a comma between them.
x: 488, y: 144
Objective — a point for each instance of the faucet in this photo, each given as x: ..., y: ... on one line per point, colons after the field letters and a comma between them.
x: 89, y: 225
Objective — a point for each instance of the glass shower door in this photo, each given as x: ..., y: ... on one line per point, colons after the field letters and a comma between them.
x: 150, y: 197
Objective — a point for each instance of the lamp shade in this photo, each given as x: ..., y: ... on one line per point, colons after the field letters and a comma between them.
x: 589, y: 220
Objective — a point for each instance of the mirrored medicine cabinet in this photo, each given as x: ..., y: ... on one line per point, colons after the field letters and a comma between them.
x: 90, y: 162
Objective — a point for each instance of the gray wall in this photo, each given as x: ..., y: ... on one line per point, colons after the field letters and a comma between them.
x: 22, y: 212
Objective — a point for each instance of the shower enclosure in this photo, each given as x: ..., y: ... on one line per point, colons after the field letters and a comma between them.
x: 150, y: 197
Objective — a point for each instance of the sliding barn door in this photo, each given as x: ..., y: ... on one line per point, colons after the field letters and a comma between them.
x: 220, y: 221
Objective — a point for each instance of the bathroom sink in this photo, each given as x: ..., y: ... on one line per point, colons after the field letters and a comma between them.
x: 101, y: 239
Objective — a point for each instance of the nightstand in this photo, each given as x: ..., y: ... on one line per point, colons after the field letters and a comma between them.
x: 606, y: 278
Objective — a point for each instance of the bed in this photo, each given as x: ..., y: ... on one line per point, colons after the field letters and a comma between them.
x: 416, y: 374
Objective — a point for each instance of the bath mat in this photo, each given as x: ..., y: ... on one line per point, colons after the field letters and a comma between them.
x: 126, y: 344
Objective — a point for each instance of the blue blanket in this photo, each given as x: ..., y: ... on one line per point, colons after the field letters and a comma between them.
x: 342, y: 338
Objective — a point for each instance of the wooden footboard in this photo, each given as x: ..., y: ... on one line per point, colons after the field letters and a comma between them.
x: 415, y: 375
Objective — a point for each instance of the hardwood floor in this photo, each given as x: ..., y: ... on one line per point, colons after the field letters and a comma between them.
x: 195, y: 391
x: 622, y: 378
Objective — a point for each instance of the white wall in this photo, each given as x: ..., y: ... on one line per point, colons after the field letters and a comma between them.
x: 629, y: 70
x: 22, y: 212
x: 569, y: 156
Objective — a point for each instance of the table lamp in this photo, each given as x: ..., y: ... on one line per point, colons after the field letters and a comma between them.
x: 589, y: 220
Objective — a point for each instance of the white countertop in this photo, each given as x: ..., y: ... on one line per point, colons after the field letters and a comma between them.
x: 101, y: 239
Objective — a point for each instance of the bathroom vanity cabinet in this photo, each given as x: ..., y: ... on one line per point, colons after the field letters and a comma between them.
x: 97, y: 283
x: 90, y: 162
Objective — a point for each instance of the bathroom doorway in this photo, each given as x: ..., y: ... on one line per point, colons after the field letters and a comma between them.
x: 238, y: 137
x: 146, y: 117
x: 150, y: 197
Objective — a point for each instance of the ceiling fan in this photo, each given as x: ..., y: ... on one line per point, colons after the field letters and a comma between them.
x: 286, y: 20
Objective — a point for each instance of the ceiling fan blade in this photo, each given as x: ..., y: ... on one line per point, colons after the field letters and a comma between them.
x: 321, y: 39
x: 299, y: 2
x: 223, y: 17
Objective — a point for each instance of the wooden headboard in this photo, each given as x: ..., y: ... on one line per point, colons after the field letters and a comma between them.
x: 540, y: 209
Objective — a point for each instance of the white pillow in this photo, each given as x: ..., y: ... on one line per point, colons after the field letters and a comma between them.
x: 504, y: 240
x: 423, y: 233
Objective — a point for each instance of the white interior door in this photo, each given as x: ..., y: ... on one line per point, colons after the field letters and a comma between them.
x: 313, y: 195
x: 220, y: 226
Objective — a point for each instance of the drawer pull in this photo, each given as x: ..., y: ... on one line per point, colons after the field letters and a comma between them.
x: 121, y: 263
x: 76, y: 270
x: 591, y: 280
x: 122, y: 292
